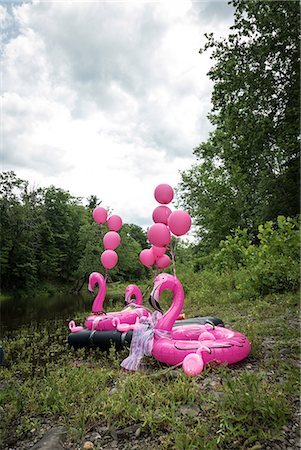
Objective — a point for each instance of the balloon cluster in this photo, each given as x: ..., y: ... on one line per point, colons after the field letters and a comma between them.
x: 166, y: 222
x: 111, y: 239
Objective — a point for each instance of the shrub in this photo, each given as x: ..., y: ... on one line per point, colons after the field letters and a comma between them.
x: 269, y: 265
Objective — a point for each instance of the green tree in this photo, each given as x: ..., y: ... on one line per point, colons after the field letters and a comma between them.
x: 248, y: 170
x: 64, y: 217
x: 20, y: 217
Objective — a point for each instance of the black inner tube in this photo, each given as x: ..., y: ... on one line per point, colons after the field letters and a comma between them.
x: 105, y: 339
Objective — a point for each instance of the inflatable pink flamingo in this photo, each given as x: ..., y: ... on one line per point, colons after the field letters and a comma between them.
x: 191, y: 346
x: 131, y: 290
x: 220, y: 344
x: 94, y: 279
x: 104, y: 321
x: 74, y: 328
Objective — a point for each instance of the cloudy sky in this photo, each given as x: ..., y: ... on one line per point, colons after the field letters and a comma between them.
x: 106, y: 98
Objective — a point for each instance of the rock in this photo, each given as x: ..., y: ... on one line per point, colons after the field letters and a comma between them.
x: 95, y: 436
x: 285, y: 429
x: 189, y: 410
x: 113, y: 433
x: 88, y: 445
x: 102, y: 430
x: 128, y: 430
x: 138, y: 432
x: 52, y: 440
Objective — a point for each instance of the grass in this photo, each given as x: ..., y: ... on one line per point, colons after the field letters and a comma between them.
x: 243, y: 406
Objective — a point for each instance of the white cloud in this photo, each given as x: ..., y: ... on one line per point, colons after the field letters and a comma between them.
x: 106, y: 98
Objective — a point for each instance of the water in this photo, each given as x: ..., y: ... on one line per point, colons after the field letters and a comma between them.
x: 19, y: 311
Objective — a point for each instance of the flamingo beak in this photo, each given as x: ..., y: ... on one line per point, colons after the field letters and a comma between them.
x: 155, y: 294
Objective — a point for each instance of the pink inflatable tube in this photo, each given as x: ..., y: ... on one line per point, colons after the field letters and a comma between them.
x: 220, y: 344
x: 191, y: 346
x: 105, y: 321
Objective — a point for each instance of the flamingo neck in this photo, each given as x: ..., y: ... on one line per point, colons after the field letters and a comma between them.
x: 138, y: 296
x: 99, y: 299
x: 168, y: 319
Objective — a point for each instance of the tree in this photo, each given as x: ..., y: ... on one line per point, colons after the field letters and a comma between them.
x: 248, y: 169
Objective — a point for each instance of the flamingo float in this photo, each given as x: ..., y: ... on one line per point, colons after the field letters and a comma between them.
x: 104, y: 321
x: 131, y: 290
x: 191, y: 346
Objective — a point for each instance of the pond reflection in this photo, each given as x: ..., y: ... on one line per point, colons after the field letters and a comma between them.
x: 20, y: 311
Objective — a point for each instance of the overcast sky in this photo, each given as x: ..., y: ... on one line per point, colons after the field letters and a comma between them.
x: 106, y: 98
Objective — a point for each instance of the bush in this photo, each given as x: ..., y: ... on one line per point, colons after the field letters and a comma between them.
x: 269, y: 265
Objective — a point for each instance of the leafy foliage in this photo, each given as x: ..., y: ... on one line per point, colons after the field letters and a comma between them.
x: 47, y: 235
x: 269, y: 263
x: 248, y: 170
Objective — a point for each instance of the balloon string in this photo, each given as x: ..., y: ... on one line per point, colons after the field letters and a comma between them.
x: 146, y: 291
x: 155, y: 272
x: 172, y: 252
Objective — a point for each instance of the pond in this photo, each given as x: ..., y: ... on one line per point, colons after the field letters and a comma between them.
x: 20, y: 311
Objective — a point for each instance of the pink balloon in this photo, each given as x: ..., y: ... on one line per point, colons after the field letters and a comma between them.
x: 163, y: 193
x: 161, y: 214
x: 111, y: 240
x: 193, y: 364
x: 100, y: 215
x: 147, y: 257
x: 159, y: 235
x: 158, y: 251
x: 109, y: 259
x: 206, y: 336
x: 163, y: 261
x: 114, y: 223
x: 179, y: 222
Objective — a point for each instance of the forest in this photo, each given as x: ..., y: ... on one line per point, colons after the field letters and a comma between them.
x: 243, y: 194
x: 246, y: 174
x: 49, y: 237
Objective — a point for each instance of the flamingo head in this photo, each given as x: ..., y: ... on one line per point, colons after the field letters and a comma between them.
x: 95, y: 278
x: 131, y: 290
x: 162, y: 282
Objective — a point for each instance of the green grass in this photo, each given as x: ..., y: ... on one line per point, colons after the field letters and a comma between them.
x: 243, y: 406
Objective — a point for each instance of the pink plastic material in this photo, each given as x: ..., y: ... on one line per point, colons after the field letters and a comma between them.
x: 73, y: 328
x: 193, y: 364
x: 159, y: 235
x: 163, y: 194
x: 97, y: 279
x: 158, y: 251
x: 131, y: 290
x: 100, y: 215
x: 228, y: 346
x: 128, y: 315
x: 111, y: 240
x: 125, y: 327
x: 161, y: 214
x: 105, y: 321
x: 147, y: 257
x: 206, y: 336
x: 114, y: 223
x: 109, y: 259
x: 179, y: 222
x: 163, y: 261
